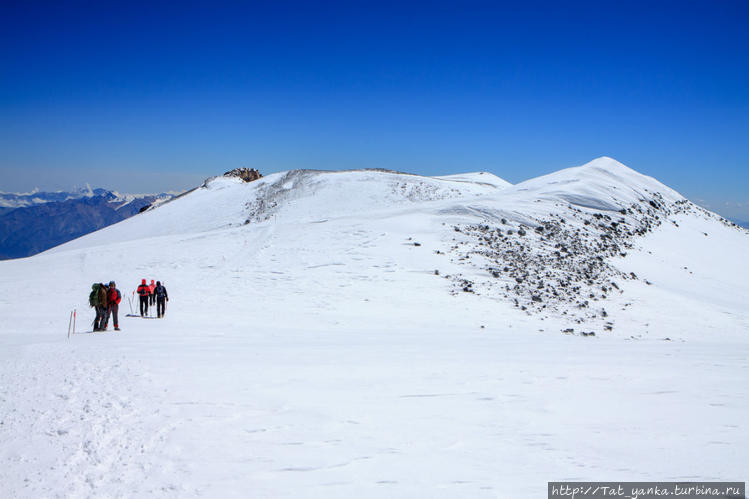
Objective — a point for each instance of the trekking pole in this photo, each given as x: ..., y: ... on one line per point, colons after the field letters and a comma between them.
x: 70, y: 323
x: 75, y: 312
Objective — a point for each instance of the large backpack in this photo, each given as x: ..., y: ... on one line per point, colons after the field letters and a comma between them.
x: 93, y: 297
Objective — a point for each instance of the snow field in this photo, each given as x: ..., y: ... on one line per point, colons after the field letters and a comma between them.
x: 315, y: 353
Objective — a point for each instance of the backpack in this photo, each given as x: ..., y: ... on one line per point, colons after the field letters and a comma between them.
x: 93, y: 297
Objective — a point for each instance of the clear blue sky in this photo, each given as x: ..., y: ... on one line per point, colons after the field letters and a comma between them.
x: 148, y: 96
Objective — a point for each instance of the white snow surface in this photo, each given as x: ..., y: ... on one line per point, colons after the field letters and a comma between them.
x: 309, y: 349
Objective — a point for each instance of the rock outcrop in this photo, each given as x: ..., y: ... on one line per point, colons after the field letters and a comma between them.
x: 246, y: 174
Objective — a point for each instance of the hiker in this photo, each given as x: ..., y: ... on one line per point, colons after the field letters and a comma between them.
x: 144, y: 291
x: 152, y: 297
x: 161, y: 298
x: 103, y: 291
x: 98, y: 299
x: 113, y: 305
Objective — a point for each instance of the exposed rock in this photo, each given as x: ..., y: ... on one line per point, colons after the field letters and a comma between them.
x: 565, y: 264
x: 246, y: 174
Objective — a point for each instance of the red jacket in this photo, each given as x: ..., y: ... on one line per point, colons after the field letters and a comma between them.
x: 113, y: 296
x: 144, y: 290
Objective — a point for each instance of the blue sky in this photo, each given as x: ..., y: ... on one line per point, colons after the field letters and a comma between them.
x: 150, y: 97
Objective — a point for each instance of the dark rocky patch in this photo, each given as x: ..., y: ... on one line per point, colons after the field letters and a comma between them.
x: 563, y: 264
x: 246, y: 174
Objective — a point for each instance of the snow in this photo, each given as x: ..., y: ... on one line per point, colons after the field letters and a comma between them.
x: 478, y: 177
x: 310, y: 350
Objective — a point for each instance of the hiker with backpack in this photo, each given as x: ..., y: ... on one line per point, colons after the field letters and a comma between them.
x: 161, y: 298
x: 144, y: 291
x: 152, y: 297
x: 98, y: 299
x: 113, y: 305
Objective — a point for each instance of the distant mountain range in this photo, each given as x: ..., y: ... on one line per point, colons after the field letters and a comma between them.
x: 36, y: 221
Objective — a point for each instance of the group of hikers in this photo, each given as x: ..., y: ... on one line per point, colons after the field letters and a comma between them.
x: 151, y: 294
x: 105, y: 299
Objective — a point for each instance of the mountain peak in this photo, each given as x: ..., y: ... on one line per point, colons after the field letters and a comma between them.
x: 605, y: 162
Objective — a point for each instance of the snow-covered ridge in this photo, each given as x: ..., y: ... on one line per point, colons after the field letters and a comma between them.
x: 307, y: 194
x: 292, y: 196
x: 300, y: 195
x: 603, y: 183
x: 558, y: 244
x: 553, y: 245
x: 478, y: 178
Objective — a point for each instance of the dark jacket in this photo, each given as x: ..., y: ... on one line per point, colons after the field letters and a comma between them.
x: 101, y: 299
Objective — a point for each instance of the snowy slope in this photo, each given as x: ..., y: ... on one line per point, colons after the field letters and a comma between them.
x: 477, y: 177
x: 341, y: 333
x: 298, y: 195
x: 603, y: 184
